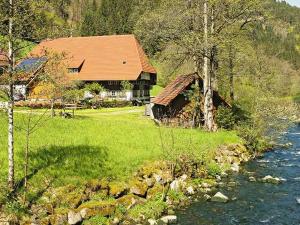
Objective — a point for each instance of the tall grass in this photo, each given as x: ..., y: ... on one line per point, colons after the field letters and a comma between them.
x: 72, y: 151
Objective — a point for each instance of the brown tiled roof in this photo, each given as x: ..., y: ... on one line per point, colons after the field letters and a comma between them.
x: 179, y: 85
x: 116, y: 57
x: 175, y: 88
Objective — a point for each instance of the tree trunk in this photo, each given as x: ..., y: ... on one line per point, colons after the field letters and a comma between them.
x: 10, y: 110
x: 208, y: 93
x: 52, y: 108
x: 231, y: 72
x: 26, y: 164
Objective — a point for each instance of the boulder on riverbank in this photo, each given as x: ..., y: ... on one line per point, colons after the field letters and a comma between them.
x: 168, y: 220
x: 219, y: 197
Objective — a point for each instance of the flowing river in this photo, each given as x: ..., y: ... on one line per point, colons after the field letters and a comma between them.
x: 256, y: 202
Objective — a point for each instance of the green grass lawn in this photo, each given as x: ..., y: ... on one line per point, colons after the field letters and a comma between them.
x: 72, y: 151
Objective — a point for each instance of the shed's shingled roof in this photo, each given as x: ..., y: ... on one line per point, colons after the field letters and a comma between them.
x: 116, y: 57
x: 175, y: 88
x: 179, y: 85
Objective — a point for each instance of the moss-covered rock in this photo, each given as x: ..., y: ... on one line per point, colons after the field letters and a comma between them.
x: 58, y: 219
x: 72, y: 200
x: 129, y: 201
x: 117, y: 190
x: 96, y: 185
x: 95, y: 208
x: 138, y: 188
x: 44, y: 221
x: 151, y: 168
x: 155, y: 190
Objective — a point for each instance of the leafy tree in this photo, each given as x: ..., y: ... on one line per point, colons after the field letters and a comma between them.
x: 94, y: 88
x: 126, y: 85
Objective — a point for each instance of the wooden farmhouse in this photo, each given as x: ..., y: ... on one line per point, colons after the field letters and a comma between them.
x: 173, y: 104
x: 107, y: 60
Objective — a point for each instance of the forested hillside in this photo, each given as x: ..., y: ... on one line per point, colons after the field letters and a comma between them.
x: 276, y: 35
x: 279, y: 34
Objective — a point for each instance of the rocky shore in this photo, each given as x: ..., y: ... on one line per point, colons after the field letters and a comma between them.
x: 149, y: 197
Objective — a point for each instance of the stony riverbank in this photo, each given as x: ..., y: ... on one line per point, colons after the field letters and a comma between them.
x: 149, y: 197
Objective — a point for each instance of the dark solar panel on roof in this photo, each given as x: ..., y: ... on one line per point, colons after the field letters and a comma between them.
x: 31, y: 64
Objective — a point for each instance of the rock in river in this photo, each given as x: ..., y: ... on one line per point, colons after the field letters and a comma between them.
x: 219, y: 197
x: 272, y: 180
x: 252, y: 179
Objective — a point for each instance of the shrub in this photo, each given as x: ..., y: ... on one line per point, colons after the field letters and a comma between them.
x: 126, y: 85
x: 94, y: 88
x: 228, y: 118
x: 225, y: 118
x: 176, y: 196
x: 213, y: 168
x: 252, y: 137
x: 153, y: 208
x: 15, y: 208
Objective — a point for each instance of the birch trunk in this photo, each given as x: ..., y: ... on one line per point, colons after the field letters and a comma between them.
x: 208, y: 75
x: 11, y: 169
x: 207, y: 79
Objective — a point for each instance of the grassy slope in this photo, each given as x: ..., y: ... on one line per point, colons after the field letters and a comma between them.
x: 156, y: 90
x: 76, y: 150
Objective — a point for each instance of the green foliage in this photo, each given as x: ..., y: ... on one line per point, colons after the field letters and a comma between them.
x: 225, y: 118
x: 156, y: 90
x: 97, y: 220
x: 15, y: 208
x: 4, y: 194
x: 153, y: 208
x: 94, y: 88
x: 126, y: 85
x: 73, y: 95
x: 176, y: 196
x: 230, y: 117
x: 252, y: 137
x: 213, y: 168
x: 90, y: 19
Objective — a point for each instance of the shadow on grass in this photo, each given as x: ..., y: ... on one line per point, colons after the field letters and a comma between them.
x: 65, y: 164
x: 81, y: 161
x: 297, y: 98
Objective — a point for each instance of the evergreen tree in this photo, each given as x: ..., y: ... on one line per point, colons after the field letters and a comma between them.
x: 90, y: 19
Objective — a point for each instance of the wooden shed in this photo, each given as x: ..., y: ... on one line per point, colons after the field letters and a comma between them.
x: 173, y: 105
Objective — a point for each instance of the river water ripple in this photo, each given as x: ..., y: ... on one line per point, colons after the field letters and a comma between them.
x: 256, y: 202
